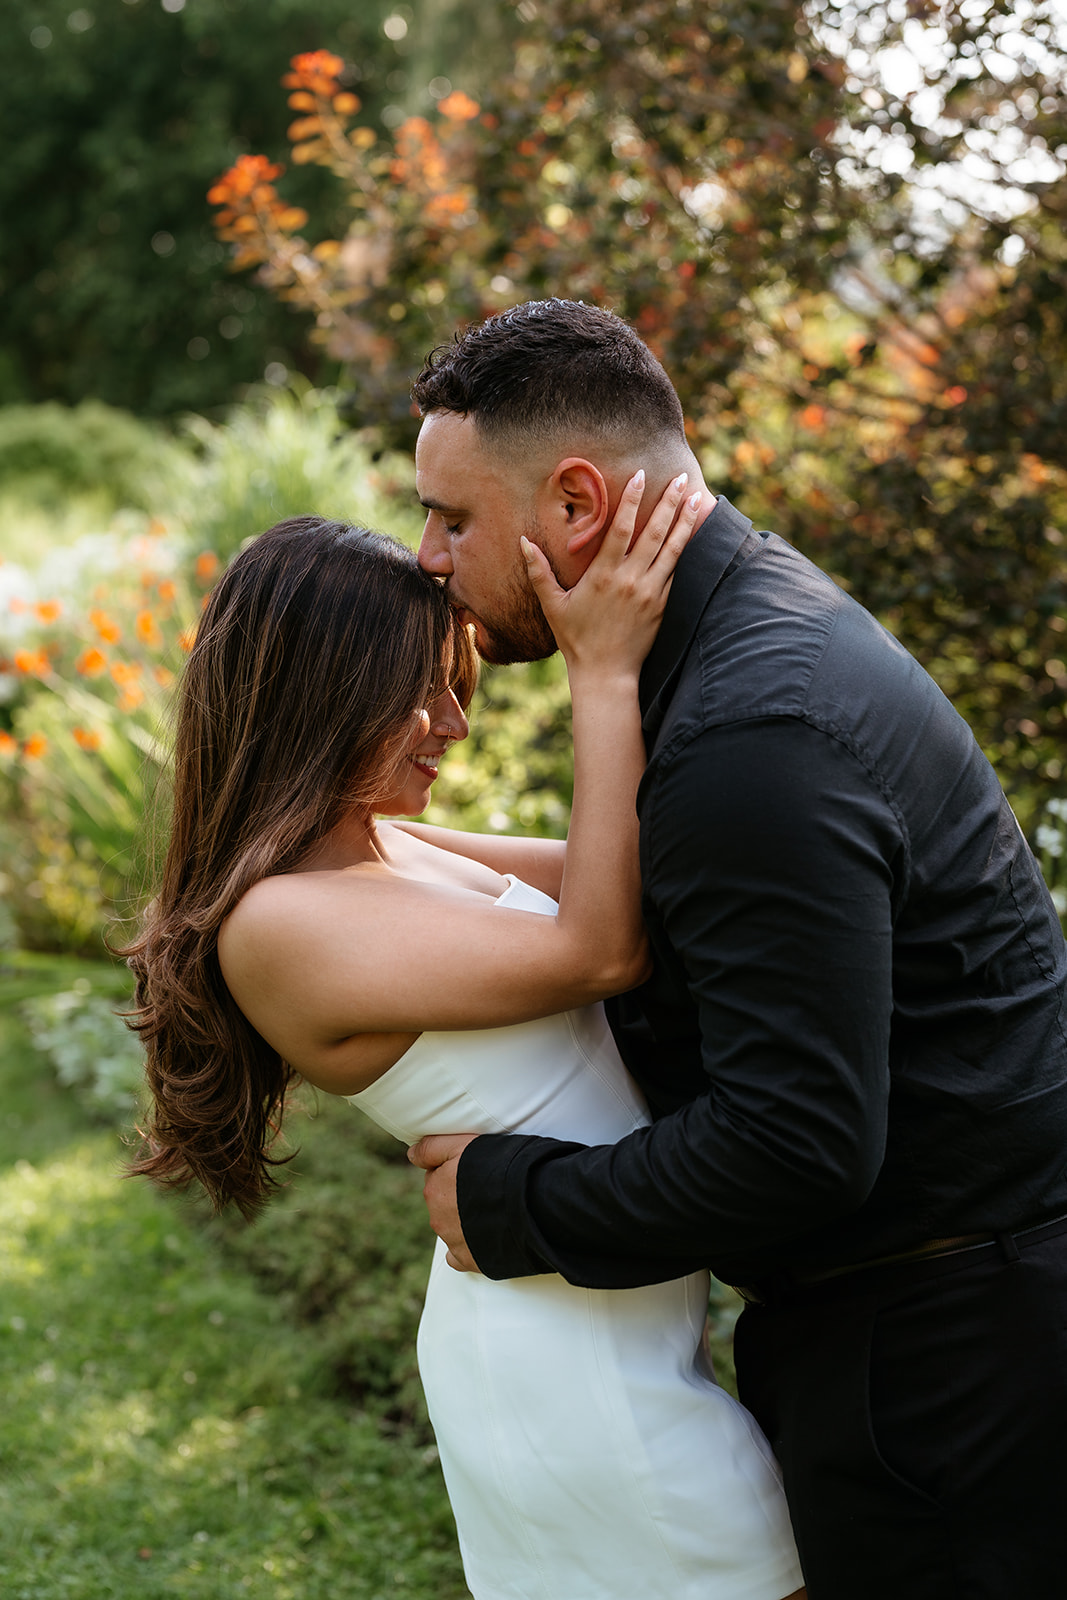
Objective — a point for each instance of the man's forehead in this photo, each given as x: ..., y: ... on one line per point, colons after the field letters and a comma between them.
x: 454, y: 426
x: 442, y: 435
x: 451, y: 457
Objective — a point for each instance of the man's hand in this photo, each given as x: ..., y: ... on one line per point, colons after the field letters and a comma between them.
x: 439, y: 1154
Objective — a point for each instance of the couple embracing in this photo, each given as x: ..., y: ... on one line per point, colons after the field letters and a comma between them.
x: 831, y: 1064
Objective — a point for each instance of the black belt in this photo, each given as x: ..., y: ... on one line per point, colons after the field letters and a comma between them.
x: 782, y: 1286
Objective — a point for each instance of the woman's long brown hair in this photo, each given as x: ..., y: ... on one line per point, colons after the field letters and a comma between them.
x: 317, y: 648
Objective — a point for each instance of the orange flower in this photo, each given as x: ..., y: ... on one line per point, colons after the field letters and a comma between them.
x: 346, y: 105
x: 125, y: 672
x: 167, y: 590
x: 131, y: 697
x: 91, y: 663
x: 163, y: 676
x: 246, y: 174
x: 813, y: 417
x: 32, y: 662
x: 418, y: 155
x: 147, y: 630
x: 441, y: 209
x: 207, y: 564
x: 317, y: 70
x: 955, y: 396
x: 48, y: 610
x: 87, y: 738
x: 35, y: 747
x: 186, y: 639
x: 458, y: 107
x: 289, y: 218
x: 107, y: 628
x: 8, y: 745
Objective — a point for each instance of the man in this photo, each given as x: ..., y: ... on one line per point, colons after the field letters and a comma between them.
x: 853, y: 1040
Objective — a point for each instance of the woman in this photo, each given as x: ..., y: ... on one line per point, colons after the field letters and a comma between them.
x: 443, y: 980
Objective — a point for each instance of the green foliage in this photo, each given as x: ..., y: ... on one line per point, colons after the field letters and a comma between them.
x: 286, y: 454
x: 1050, y: 840
x: 99, y: 627
x: 52, y: 453
x: 29, y: 974
x: 74, y: 832
x: 115, y: 120
x: 90, y: 1049
x: 166, y: 1431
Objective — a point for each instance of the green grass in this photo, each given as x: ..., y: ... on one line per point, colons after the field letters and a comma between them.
x: 165, y: 1430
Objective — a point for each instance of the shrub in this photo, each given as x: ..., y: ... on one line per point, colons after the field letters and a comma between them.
x: 285, y: 453
x: 50, y: 453
x: 90, y: 1049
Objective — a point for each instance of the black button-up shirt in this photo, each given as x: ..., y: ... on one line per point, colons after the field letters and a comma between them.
x: 853, y: 1039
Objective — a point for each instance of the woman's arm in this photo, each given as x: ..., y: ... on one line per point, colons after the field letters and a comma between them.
x: 313, y: 958
x: 536, y: 861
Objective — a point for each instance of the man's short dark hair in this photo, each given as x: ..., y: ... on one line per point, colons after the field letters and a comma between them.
x: 549, y: 366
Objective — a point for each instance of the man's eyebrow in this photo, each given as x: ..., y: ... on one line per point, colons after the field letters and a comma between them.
x: 439, y: 505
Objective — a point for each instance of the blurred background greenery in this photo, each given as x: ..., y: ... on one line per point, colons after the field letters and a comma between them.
x: 840, y: 223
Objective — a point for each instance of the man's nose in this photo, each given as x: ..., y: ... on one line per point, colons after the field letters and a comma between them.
x: 434, y: 555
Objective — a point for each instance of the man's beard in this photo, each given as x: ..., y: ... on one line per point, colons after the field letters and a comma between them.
x: 518, y: 630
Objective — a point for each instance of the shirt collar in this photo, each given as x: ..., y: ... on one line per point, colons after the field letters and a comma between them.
x: 703, y: 564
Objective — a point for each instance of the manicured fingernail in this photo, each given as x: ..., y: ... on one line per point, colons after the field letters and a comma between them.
x: 680, y: 482
x: 525, y: 546
x: 693, y: 501
x: 638, y: 479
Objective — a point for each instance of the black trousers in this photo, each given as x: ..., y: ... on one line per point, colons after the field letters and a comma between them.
x: 919, y: 1413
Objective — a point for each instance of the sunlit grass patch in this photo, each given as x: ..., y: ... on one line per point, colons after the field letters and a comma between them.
x: 164, y: 1431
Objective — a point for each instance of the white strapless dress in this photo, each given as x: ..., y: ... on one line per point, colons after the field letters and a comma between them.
x: 587, y: 1450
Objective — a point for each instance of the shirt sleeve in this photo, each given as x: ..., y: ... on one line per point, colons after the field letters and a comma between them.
x: 773, y: 861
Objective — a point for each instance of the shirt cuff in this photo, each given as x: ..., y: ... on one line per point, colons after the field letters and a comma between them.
x: 491, y: 1194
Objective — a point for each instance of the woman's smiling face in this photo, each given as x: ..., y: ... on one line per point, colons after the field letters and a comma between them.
x: 441, y: 724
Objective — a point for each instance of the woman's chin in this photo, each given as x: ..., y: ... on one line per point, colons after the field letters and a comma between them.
x: 412, y: 803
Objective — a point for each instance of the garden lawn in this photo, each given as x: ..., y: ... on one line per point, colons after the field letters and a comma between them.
x: 163, y: 1430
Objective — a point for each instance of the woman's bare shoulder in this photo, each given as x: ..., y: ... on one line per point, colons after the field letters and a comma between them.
x: 297, y: 909
x: 283, y: 909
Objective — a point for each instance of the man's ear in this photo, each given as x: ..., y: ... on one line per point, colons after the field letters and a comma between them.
x: 581, y: 503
